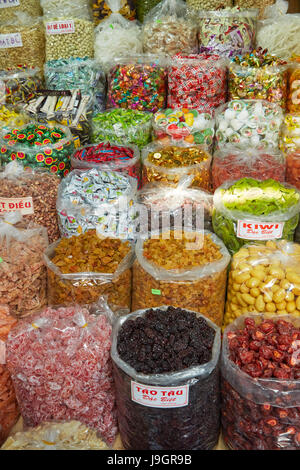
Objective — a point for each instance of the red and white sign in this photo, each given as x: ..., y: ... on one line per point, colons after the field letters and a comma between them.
x: 250, y: 230
x: 60, y: 27
x: 9, y: 3
x: 10, y: 40
x: 24, y: 205
x: 159, y: 397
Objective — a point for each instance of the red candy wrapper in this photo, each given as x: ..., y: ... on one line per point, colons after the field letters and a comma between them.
x: 107, y: 156
x: 61, y: 369
x: 197, y: 82
x: 234, y: 164
x: 293, y: 168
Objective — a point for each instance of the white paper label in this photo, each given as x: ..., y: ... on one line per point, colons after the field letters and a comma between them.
x: 250, y: 230
x: 2, y: 352
x: 9, y: 3
x: 10, y: 40
x: 60, y: 27
x: 22, y: 204
x: 160, y: 397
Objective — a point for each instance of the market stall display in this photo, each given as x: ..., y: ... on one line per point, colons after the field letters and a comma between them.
x: 184, y: 269
x: 167, y: 30
x: 19, y: 85
x: 82, y: 268
x: 248, y: 124
x: 168, y: 164
x: 70, y: 435
x: 97, y: 199
x: 232, y: 164
x: 162, y: 390
x: 23, y: 274
x: 197, y: 81
x: 60, y: 365
x: 255, y: 210
x: 261, y: 383
x: 226, y: 32
x: 107, y: 156
x: 184, y: 125
x: 9, y: 411
x: 123, y: 126
x: 137, y: 82
x: 264, y: 278
x: 39, y: 146
x: 258, y: 75
x: 33, y: 192
x: 22, y: 42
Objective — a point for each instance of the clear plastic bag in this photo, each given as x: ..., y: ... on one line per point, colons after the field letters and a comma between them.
x: 184, y: 125
x: 263, y: 83
x: 103, y: 9
x: 99, y: 199
x: 258, y: 414
x: 179, y: 207
x: 86, y: 287
x: 248, y: 124
x: 65, y: 8
x: 9, y: 411
x: 107, y: 156
x: 293, y: 168
x: 232, y: 164
x: 293, y: 101
x: 33, y: 193
x: 227, y: 32
x: 167, y: 30
x: 55, y: 156
x: 279, y: 34
x: 262, y: 5
x: 116, y: 37
x: 11, y: 116
x: 201, y: 288
x: 70, y: 435
x: 59, y: 361
x: 252, y: 210
x: 75, y: 73
x: 197, y: 81
x: 122, y: 126
x: 264, y: 278
x: 23, y: 274
x: 19, y: 85
x: 8, y: 8
x: 193, y: 426
x: 138, y: 82
x: 69, y: 37
x: 22, y: 42
x: 177, y: 162
x: 208, y: 4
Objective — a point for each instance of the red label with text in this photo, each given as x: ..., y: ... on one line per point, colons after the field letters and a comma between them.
x: 160, y: 397
x: 259, y: 230
x: 60, y: 27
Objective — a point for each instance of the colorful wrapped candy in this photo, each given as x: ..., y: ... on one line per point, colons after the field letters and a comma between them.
x: 233, y: 164
x: 253, y: 210
x: 184, y: 125
x: 258, y: 76
x: 290, y: 136
x: 137, y: 83
x: 197, y: 81
x: 19, y: 85
x: 61, y: 369
x: 107, y: 156
x: 248, y: 123
x: 99, y: 199
x: 123, y: 126
x: 226, y: 32
x: 39, y: 146
x: 10, y: 118
x: 293, y: 101
x: 170, y: 164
